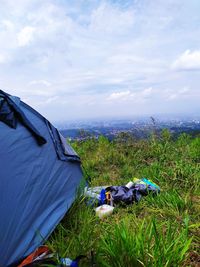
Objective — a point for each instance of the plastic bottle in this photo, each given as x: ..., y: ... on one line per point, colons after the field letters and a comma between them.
x: 66, y: 262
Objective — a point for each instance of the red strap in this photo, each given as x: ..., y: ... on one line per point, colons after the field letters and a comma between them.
x: 31, y: 257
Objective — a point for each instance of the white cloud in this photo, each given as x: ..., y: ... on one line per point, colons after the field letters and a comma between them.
x: 184, y: 90
x: 135, y: 96
x: 177, y: 94
x: 111, y: 19
x: 40, y: 82
x: 188, y: 61
x: 147, y: 92
x: 172, y: 96
x: 51, y: 100
x: 114, y: 50
x: 2, y: 59
x: 8, y: 25
x: 25, y: 36
x: 119, y: 95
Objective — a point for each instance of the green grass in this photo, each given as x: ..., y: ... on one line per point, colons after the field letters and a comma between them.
x: 159, y: 231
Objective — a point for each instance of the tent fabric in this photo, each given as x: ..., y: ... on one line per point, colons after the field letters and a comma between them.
x: 7, y: 115
x: 63, y: 150
x: 37, y: 186
x: 10, y: 111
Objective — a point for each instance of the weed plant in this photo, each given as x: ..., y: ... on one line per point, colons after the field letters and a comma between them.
x: 158, y: 231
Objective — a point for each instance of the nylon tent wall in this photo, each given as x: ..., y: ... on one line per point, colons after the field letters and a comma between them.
x: 39, y: 176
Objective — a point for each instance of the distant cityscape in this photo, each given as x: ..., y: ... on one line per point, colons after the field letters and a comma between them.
x: 139, y: 127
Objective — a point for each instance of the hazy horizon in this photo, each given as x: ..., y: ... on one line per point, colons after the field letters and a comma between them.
x: 78, y: 59
x: 136, y: 118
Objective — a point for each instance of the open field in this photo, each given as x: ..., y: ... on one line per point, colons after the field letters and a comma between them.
x: 158, y: 231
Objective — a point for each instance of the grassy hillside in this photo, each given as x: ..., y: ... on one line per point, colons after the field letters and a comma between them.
x: 159, y: 231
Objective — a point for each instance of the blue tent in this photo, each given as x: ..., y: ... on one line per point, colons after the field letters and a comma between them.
x: 39, y: 177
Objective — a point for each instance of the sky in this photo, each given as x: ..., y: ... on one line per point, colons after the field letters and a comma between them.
x: 73, y: 59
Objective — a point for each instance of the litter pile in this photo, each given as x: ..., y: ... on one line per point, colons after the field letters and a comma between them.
x: 106, y: 197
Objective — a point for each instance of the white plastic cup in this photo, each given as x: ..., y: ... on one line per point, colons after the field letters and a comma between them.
x: 129, y: 185
x: 104, y: 211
